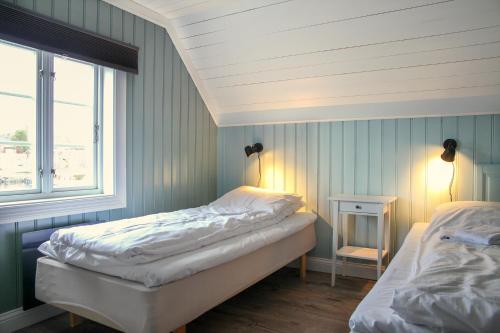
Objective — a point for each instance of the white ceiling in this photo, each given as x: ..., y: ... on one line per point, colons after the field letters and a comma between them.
x: 257, y: 61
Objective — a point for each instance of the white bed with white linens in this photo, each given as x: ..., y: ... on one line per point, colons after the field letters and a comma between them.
x: 445, y: 277
x: 158, y: 272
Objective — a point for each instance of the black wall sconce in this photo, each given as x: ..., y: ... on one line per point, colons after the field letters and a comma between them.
x: 450, y: 148
x: 255, y: 148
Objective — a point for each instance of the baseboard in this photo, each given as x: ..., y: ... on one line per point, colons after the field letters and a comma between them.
x: 316, y: 264
x: 17, y: 319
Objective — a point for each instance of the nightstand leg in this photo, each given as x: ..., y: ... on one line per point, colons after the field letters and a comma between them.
x: 387, y: 241
x: 345, y: 238
x: 335, y: 237
x: 380, y: 243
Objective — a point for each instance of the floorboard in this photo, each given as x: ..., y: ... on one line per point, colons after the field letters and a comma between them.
x: 278, y: 304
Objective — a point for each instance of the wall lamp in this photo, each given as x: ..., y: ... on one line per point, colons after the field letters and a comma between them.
x: 255, y: 148
x: 450, y: 148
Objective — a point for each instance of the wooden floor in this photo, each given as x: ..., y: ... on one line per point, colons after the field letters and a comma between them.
x: 280, y: 303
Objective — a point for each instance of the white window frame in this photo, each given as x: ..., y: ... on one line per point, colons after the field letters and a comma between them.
x: 110, y: 193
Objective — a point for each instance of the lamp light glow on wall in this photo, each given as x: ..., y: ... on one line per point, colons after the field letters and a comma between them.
x: 255, y: 148
x: 450, y: 147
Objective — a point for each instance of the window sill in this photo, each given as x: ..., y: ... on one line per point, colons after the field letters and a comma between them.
x: 11, y: 212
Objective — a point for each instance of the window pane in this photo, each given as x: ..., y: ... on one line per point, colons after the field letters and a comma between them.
x: 74, y: 148
x: 18, y: 154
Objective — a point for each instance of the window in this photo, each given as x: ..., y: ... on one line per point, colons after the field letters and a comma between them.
x: 59, y: 131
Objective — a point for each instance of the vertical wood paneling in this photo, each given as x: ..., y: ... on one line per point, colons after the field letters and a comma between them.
x: 28, y: 4
x: 90, y: 18
x: 301, y: 160
x: 483, y: 139
x: 176, y: 124
x: 61, y: 11
x: 252, y: 162
x: 138, y: 120
x: 389, y: 168
x: 375, y: 171
x: 465, y: 158
x: 191, y: 152
x: 290, y: 158
x: 184, y: 135
x: 418, y: 176
x: 495, y: 145
x: 168, y: 84
x: 336, y: 164
x: 349, y: 167
x: 44, y: 7
x: 158, y: 137
x: 148, y: 119
x: 279, y: 157
x: 312, y: 167
x: 267, y: 157
x: 323, y: 192
x: 156, y: 131
x: 128, y: 37
x: 206, y: 156
x: 361, y: 176
x: 379, y: 157
x: 8, y: 273
x: 212, y: 184
x: 403, y: 185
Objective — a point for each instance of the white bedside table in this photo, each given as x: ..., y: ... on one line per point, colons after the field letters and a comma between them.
x: 377, y: 206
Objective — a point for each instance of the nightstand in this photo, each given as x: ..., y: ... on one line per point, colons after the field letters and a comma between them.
x: 377, y: 206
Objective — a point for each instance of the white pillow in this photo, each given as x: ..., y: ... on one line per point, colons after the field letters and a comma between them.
x: 448, y: 206
x: 254, y: 199
x: 462, y: 214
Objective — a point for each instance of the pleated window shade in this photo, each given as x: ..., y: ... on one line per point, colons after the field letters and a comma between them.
x: 23, y: 27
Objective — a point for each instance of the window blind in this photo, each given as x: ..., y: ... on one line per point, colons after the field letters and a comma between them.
x: 21, y: 26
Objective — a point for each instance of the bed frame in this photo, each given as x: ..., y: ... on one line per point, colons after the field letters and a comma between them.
x: 487, y: 182
x: 131, y: 307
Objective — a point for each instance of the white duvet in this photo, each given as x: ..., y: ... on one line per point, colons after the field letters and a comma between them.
x: 454, y: 286
x: 153, y: 237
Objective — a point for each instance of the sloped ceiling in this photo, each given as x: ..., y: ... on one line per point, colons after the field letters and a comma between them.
x: 258, y: 61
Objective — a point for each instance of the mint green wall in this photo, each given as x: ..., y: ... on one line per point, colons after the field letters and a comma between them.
x: 171, y: 137
x: 390, y: 157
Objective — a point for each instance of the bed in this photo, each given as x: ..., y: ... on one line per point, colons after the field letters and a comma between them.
x: 434, y: 284
x: 198, y: 280
x: 374, y: 313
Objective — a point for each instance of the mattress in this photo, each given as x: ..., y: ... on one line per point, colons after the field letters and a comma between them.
x: 132, y: 307
x: 374, y: 314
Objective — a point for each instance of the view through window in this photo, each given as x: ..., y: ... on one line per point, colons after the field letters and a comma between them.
x: 18, y: 119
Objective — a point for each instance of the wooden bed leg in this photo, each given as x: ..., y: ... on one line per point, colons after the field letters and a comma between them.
x: 181, y: 329
x: 74, y: 320
x: 303, y: 268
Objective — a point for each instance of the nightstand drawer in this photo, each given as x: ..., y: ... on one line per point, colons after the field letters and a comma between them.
x: 361, y: 207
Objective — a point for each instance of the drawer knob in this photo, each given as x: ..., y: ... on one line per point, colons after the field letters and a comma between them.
x: 358, y: 206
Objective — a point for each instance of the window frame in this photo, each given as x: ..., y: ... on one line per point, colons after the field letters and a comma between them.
x: 45, y: 200
x: 98, y: 110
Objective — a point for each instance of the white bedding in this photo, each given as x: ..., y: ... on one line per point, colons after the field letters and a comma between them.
x: 149, y: 238
x: 455, y: 286
x: 373, y: 314
x: 438, y: 285
x: 182, y: 265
